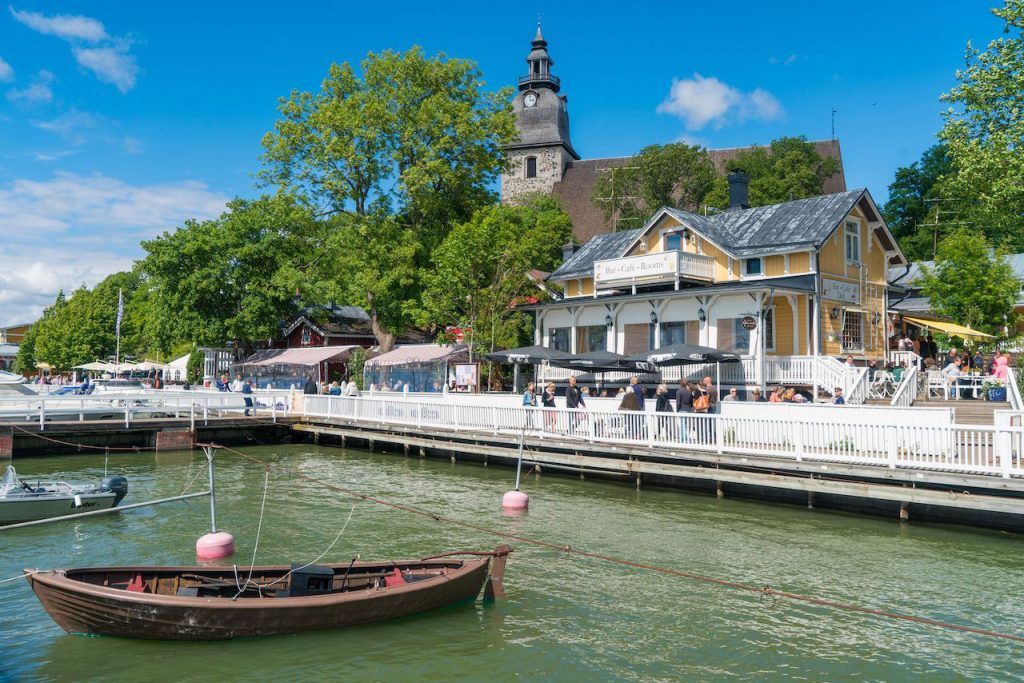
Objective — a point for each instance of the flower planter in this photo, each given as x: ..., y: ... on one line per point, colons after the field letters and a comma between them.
x: 997, y: 394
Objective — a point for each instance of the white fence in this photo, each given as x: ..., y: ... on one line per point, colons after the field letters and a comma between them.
x: 835, y: 435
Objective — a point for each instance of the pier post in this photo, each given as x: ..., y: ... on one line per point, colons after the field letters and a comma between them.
x: 810, y: 500
x: 904, y: 511
x: 719, y: 489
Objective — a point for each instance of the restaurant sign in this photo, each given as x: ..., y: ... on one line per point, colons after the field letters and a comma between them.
x: 636, y: 268
x: 837, y: 290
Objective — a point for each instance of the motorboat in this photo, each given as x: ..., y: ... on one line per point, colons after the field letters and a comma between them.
x: 220, y: 603
x: 21, y: 501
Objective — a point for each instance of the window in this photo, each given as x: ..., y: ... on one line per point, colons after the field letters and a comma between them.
x: 679, y: 333
x: 531, y: 167
x: 591, y: 338
x: 852, y: 240
x: 769, y: 329
x: 732, y: 336
x: 558, y: 339
x: 305, y: 335
x: 636, y: 338
x: 853, y: 331
x: 675, y: 241
x: 752, y: 266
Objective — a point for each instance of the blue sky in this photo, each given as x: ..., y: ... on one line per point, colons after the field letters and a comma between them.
x: 120, y: 120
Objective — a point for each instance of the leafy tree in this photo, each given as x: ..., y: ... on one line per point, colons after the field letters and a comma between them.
x: 397, y: 155
x: 676, y: 175
x: 195, y: 368
x: 481, y: 269
x: 232, y: 277
x: 356, y: 362
x: 907, y: 208
x: 25, y: 360
x: 984, y: 131
x: 970, y: 283
x: 789, y: 168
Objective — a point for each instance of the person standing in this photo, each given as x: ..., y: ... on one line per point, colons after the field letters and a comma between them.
x: 684, y: 397
x: 529, y: 398
x: 733, y: 395
x: 712, y: 392
x: 310, y: 387
x: 756, y: 396
x: 350, y: 387
x: 663, y: 404
x: 548, y: 401
x: 839, y: 400
x: 634, y: 386
x: 574, y: 401
x: 236, y: 386
x: 247, y: 396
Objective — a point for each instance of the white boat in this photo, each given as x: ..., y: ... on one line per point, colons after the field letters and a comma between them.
x: 21, y: 501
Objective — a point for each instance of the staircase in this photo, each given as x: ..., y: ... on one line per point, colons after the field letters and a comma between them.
x: 968, y: 412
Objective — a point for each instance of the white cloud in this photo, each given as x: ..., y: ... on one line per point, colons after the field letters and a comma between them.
x: 701, y: 101
x: 6, y: 71
x: 71, y: 125
x: 70, y: 229
x: 132, y: 145
x: 110, y: 64
x: 39, y: 91
x: 66, y: 26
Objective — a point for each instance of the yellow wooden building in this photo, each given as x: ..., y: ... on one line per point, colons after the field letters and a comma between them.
x: 798, y: 280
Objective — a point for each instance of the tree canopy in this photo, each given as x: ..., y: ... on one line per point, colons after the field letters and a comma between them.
x: 788, y: 168
x: 909, y: 206
x: 676, y: 175
x: 971, y: 283
x: 481, y: 269
x: 396, y: 155
x: 984, y: 133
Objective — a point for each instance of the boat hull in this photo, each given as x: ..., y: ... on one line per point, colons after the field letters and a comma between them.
x: 28, y: 509
x: 80, y: 607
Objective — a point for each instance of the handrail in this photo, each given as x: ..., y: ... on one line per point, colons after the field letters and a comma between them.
x: 858, y: 387
x: 903, y: 396
x: 1013, y: 389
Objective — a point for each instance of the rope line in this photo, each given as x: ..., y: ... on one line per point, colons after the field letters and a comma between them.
x: 762, y: 591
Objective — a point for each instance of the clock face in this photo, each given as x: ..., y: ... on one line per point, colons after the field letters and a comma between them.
x: 530, y: 99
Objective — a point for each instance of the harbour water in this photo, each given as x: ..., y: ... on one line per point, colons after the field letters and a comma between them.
x: 567, y: 618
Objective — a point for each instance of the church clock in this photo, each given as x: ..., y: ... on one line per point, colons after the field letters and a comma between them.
x: 530, y: 99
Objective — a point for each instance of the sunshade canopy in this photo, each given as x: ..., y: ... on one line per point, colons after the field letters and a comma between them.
x: 949, y: 328
x: 684, y: 354
x: 97, y: 366
x: 312, y: 355
x: 528, y: 355
x: 594, y: 361
x: 409, y: 354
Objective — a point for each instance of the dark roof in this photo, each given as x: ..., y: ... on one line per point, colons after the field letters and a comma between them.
x: 794, y: 283
x: 578, y: 178
x: 581, y: 264
x: 778, y: 227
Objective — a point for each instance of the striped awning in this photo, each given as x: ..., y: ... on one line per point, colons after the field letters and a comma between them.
x: 408, y: 354
x: 949, y: 328
x: 312, y: 355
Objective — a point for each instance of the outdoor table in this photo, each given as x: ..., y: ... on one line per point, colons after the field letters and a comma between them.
x: 968, y: 386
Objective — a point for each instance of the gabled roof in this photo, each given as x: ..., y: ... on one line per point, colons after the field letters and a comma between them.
x: 581, y: 264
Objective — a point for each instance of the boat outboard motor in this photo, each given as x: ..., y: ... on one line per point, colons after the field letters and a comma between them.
x: 119, y: 485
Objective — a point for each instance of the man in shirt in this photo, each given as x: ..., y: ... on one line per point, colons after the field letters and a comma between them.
x: 839, y: 400
x: 573, y: 400
x: 952, y: 372
x: 684, y: 397
x: 733, y: 395
x: 634, y: 386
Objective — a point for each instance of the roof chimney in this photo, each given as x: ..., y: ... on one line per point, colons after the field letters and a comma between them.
x: 568, y: 249
x: 739, y: 190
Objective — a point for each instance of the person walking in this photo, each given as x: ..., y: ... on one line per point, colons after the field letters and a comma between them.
x: 573, y: 401
x: 247, y: 396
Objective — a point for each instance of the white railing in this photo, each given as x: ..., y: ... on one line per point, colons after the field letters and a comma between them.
x: 908, y: 358
x: 857, y: 386
x: 664, y: 266
x: 945, y: 447
x: 1013, y: 390
x: 907, y: 389
x: 197, y: 406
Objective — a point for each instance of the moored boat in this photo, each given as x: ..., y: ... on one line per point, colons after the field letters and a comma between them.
x: 21, y: 501
x: 220, y: 603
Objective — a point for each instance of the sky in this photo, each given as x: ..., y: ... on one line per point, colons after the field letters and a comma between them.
x: 119, y: 121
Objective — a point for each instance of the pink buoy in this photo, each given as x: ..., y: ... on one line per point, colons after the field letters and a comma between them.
x: 515, y: 500
x: 214, y: 546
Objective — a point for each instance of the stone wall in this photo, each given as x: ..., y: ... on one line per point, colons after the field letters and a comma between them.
x: 551, y: 162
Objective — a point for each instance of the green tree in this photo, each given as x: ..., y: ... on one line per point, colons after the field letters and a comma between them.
x: 676, y: 175
x: 971, y: 284
x: 908, y: 206
x: 25, y: 360
x: 196, y: 367
x: 789, y: 168
x: 355, y: 365
x: 396, y: 155
x: 230, y: 278
x: 481, y: 269
x: 984, y: 131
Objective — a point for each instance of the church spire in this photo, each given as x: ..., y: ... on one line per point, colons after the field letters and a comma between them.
x: 540, y: 63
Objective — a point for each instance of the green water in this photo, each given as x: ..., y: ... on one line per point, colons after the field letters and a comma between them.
x: 567, y: 618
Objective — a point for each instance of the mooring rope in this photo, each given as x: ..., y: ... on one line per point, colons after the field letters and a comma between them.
x: 762, y: 591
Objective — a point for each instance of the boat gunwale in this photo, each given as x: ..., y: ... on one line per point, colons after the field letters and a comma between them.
x: 57, y: 579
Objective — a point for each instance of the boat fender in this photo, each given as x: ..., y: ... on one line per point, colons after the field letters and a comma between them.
x: 118, y: 485
x: 396, y: 579
x: 78, y: 500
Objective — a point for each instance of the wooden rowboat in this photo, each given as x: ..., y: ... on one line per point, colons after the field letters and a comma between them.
x: 219, y: 603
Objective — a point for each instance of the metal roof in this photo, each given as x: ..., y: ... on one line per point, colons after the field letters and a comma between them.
x: 581, y: 264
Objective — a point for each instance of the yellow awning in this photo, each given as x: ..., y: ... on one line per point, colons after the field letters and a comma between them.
x: 950, y: 328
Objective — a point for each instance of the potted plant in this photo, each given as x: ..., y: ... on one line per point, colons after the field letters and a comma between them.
x: 995, y: 389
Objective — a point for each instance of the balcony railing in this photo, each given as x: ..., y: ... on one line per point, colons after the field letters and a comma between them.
x: 665, y: 266
x: 535, y: 78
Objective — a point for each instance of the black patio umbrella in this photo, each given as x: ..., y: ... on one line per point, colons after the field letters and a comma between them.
x: 685, y: 354
x: 526, y: 355
x: 594, y: 361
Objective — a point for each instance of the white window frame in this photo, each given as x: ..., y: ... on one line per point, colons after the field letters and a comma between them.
x: 746, y: 267
x: 307, y: 336
x: 851, y: 229
x: 842, y: 330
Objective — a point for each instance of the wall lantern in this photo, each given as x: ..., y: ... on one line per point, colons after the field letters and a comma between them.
x: 834, y: 313
x: 654, y: 318
x: 608, y: 320
x: 701, y: 315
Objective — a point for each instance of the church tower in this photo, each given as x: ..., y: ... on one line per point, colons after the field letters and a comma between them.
x: 539, y: 158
